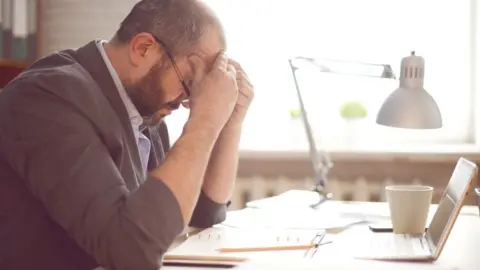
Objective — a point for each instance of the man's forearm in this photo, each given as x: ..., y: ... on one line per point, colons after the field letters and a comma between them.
x: 222, y: 169
x: 184, y: 167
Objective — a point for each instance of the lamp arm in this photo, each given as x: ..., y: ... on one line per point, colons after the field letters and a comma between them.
x: 321, y: 166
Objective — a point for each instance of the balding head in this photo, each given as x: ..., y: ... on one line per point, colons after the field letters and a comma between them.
x: 180, y: 24
x: 156, y: 47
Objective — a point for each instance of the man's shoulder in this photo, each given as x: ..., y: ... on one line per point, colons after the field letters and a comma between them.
x: 59, y: 70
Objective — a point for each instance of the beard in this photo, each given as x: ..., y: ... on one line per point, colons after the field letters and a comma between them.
x: 148, y: 96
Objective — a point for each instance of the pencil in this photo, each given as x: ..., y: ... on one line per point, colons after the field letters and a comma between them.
x: 202, y: 258
x: 273, y: 248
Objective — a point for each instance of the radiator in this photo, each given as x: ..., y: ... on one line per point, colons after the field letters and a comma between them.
x: 351, y: 179
x: 254, y: 188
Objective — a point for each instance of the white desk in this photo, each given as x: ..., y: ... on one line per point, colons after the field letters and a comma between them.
x: 461, y: 251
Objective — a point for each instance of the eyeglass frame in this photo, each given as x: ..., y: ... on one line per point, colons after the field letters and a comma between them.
x: 174, y: 64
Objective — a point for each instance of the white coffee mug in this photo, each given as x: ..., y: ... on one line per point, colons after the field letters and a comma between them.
x: 409, y: 206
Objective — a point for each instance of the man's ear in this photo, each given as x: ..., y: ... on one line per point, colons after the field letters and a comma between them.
x: 143, y: 49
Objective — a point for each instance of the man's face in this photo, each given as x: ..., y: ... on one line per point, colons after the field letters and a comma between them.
x: 159, y: 90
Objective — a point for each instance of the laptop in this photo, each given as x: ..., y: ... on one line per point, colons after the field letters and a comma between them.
x: 426, y: 247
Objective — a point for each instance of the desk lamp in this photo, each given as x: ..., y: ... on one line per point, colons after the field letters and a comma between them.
x: 321, y: 161
x: 410, y: 106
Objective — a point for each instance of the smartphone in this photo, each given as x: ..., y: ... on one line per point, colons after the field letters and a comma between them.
x: 382, y: 228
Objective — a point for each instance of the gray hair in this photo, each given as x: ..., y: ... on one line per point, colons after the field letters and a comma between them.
x: 177, y: 23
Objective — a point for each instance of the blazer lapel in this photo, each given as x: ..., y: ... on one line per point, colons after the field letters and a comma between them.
x: 90, y: 58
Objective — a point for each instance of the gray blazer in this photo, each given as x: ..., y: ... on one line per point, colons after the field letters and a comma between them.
x: 72, y: 195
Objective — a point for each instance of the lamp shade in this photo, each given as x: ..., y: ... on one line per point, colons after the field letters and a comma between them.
x: 410, y: 105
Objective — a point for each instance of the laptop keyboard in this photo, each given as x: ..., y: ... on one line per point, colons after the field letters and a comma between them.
x: 397, y: 245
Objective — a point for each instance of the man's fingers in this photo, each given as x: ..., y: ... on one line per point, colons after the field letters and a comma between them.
x: 232, y: 70
x: 198, y: 67
x: 221, y: 62
x: 240, y: 71
x: 235, y: 64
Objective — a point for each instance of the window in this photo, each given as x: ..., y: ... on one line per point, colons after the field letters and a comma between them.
x: 263, y: 34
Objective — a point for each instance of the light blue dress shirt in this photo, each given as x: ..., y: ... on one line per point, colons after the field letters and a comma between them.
x: 143, y: 143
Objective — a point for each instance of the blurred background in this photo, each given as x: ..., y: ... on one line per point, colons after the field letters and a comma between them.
x: 263, y: 35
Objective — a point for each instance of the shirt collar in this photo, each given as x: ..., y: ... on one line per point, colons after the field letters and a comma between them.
x: 135, y: 117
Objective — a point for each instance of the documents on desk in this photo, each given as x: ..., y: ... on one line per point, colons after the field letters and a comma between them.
x: 291, y: 210
x: 203, y: 250
x: 271, y: 229
x: 296, y: 200
x: 288, y: 199
x: 336, y: 265
x: 206, y: 246
x: 299, y: 219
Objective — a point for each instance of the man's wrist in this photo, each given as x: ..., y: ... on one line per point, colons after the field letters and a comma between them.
x: 204, y: 129
x: 232, y: 126
x: 236, y: 119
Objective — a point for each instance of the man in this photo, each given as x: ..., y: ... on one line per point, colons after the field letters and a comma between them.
x: 85, y: 177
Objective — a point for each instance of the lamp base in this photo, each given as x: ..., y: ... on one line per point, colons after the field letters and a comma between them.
x: 323, y: 196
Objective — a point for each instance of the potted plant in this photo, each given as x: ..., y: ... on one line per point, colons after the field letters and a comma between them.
x: 295, y: 128
x: 353, y: 110
x: 354, y: 113
x: 295, y: 113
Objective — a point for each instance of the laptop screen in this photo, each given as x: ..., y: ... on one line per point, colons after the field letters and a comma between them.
x: 450, y: 203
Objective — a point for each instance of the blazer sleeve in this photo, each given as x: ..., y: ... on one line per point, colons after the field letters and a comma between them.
x: 65, y: 164
x: 207, y: 212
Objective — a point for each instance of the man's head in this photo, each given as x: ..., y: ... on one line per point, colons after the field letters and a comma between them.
x: 156, y: 48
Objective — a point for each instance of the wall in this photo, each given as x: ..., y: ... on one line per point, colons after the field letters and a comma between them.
x: 72, y: 23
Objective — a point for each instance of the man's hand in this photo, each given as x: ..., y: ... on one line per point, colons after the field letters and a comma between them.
x: 212, y: 101
x: 214, y: 96
x: 222, y: 168
x: 245, y: 93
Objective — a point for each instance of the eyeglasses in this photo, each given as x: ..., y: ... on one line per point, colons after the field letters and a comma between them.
x: 175, y: 67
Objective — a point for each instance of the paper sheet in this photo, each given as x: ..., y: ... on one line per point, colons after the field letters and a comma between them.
x: 338, y: 265
x: 206, y: 244
x: 301, y: 200
x: 289, y: 199
x: 300, y: 219
x: 202, y: 249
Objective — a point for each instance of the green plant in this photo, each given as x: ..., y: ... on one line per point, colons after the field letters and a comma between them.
x: 353, y: 110
x: 295, y: 113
